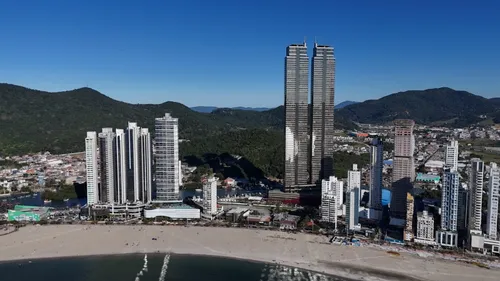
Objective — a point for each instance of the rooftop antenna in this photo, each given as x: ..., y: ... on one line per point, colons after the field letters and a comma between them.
x: 305, y: 39
x: 315, y: 42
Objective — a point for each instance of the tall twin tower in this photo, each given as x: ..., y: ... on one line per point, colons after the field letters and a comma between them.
x: 308, y: 133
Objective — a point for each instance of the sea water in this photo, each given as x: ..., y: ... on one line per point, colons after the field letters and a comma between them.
x: 140, y: 267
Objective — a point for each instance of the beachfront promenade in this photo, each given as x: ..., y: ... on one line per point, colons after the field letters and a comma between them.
x: 299, y: 250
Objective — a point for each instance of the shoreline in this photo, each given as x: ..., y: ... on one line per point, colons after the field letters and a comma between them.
x: 300, y: 250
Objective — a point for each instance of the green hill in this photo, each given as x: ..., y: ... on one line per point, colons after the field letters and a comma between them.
x: 440, y: 106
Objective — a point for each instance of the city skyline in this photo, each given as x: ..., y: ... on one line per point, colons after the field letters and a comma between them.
x: 103, y: 52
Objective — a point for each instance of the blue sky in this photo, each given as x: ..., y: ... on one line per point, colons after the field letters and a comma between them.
x: 230, y: 53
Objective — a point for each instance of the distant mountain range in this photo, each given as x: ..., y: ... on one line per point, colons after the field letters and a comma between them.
x: 439, y: 106
x: 209, y: 109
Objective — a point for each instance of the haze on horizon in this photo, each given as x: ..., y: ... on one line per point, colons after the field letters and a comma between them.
x: 232, y: 53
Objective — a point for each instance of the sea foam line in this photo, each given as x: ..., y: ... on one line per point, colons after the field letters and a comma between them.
x: 164, y: 267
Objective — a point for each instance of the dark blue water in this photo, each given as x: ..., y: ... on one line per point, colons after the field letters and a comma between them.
x: 175, y: 268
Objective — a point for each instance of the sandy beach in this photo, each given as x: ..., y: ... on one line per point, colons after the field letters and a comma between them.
x: 299, y: 250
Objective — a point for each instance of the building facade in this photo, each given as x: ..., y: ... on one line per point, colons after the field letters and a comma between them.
x: 296, y: 116
x: 451, y: 155
x: 476, y: 178
x: 493, y: 199
x: 336, y: 187
x: 167, y: 158
x: 449, y: 200
x: 403, y: 172
x: 352, y: 208
x: 376, y: 173
x: 91, y: 168
x: 107, y: 165
x: 410, y: 206
x: 210, y: 196
x: 425, y: 228
x: 322, y: 112
x: 120, y: 158
x: 329, y: 208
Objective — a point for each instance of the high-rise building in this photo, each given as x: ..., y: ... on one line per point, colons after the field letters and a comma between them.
x: 91, y: 168
x: 146, y: 189
x: 451, y: 155
x: 476, y: 177
x: 447, y: 236
x: 296, y: 116
x: 133, y: 161
x: 449, y: 200
x: 336, y: 187
x: 425, y: 227
x: 210, y: 196
x: 322, y: 112
x: 167, y: 158
x: 107, y: 165
x: 138, y: 164
x: 120, y: 158
x: 353, y: 178
x: 408, y: 231
x: 493, y: 199
x: 352, y: 208
x: 376, y: 173
x: 403, y: 172
x: 329, y: 209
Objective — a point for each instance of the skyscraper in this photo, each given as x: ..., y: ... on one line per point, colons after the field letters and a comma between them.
x: 376, y: 173
x: 91, y: 168
x: 451, y: 155
x: 476, y: 177
x: 120, y: 167
x: 322, y: 112
x: 146, y: 193
x: 296, y: 115
x: 352, y: 208
x: 447, y: 235
x: 449, y: 200
x: 107, y: 166
x: 493, y: 199
x: 138, y: 164
x: 403, y: 171
x: 133, y: 163
x: 167, y: 158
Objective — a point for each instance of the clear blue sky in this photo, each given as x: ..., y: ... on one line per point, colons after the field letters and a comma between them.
x: 230, y: 53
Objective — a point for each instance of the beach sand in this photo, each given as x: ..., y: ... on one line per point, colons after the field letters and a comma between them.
x: 310, y: 252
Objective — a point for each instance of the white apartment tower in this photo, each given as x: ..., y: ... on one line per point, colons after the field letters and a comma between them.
x: 493, y: 199
x: 210, y: 196
x: 329, y: 208
x: 167, y: 158
x: 335, y: 187
x: 353, y: 178
x: 107, y: 166
x: 451, y: 155
x: 91, y: 168
x: 120, y: 167
x: 476, y: 175
x: 425, y: 226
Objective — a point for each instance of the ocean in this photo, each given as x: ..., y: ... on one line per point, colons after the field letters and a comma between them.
x: 171, y: 267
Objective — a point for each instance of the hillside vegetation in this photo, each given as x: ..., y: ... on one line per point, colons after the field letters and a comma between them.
x: 440, y: 105
x: 32, y: 121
